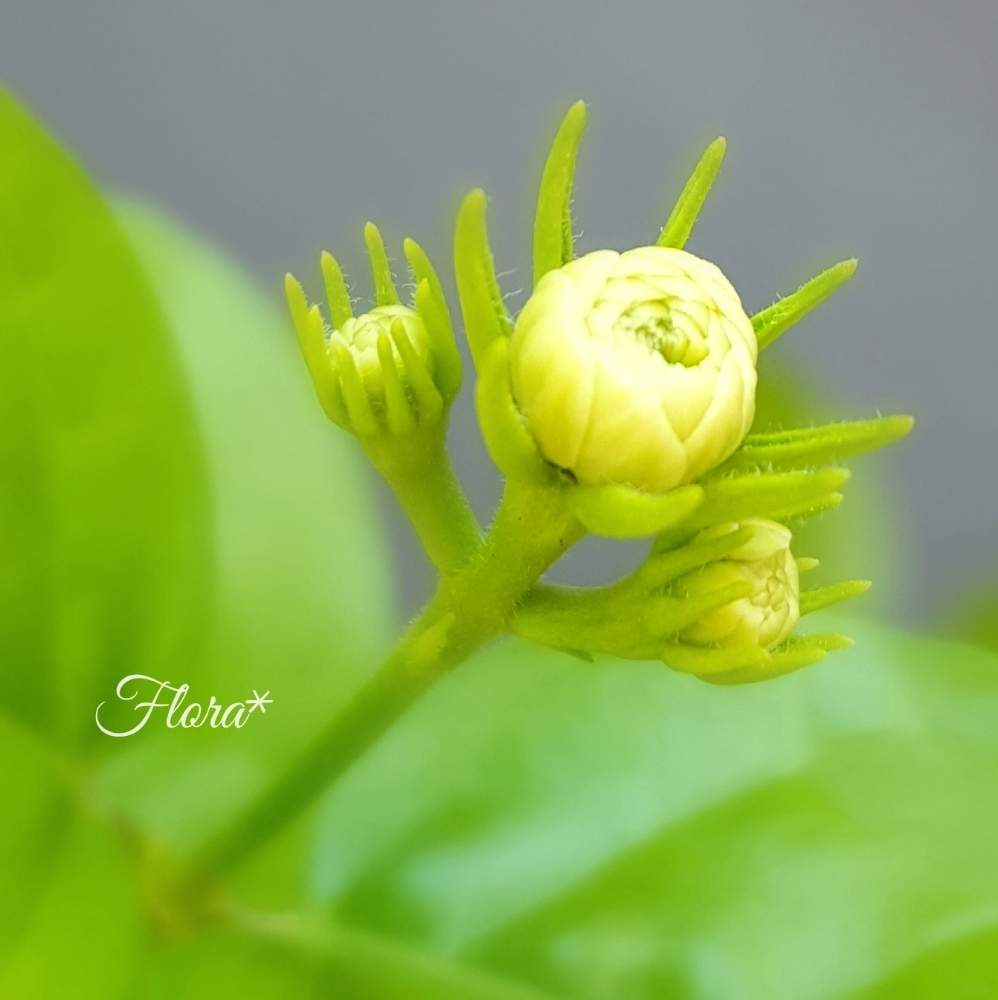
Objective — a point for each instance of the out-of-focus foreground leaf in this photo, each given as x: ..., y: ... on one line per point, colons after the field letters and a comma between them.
x: 613, y: 830
x: 69, y: 894
x: 109, y: 565
x: 103, y: 515
x: 303, y: 603
x: 303, y: 595
x: 106, y: 557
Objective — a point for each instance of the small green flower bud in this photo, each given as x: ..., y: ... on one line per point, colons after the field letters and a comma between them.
x: 390, y: 371
x: 635, y: 368
x: 768, y: 614
x: 361, y: 334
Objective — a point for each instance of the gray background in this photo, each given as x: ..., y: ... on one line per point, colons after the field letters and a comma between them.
x: 854, y: 127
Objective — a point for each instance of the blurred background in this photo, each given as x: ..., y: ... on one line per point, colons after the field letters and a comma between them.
x: 172, y: 502
x: 854, y: 129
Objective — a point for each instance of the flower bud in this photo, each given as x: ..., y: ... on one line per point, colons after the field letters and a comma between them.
x: 635, y: 368
x: 769, y: 612
x: 360, y: 334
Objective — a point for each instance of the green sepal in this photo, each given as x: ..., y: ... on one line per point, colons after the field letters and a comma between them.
x: 363, y: 420
x: 553, y: 236
x: 775, y: 320
x: 506, y: 435
x: 807, y: 446
x: 624, y: 512
x: 638, y: 631
x: 632, y: 618
x: 778, y: 496
x: 431, y: 304
x: 767, y: 494
x: 399, y: 417
x: 311, y: 333
x: 485, y: 315
x: 667, y: 616
x: 682, y: 219
x: 823, y: 597
x: 427, y: 400
x: 794, y: 654
x: 337, y: 293
x: 385, y: 292
x: 663, y: 567
x: 708, y: 662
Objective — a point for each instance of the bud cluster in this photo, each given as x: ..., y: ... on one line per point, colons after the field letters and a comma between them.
x: 620, y: 399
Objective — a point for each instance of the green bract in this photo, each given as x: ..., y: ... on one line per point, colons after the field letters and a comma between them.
x: 635, y: 368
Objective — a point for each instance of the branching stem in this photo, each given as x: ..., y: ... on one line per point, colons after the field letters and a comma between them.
x: 472, y: 606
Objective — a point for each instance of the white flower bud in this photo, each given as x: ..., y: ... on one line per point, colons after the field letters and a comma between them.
x: 768, y: 614
x: 635, y: 368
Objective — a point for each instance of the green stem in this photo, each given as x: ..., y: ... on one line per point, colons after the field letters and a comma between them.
x: 423, y: 480
x: 560, y: 617
x: 587, y: 621
x: 472, y: 606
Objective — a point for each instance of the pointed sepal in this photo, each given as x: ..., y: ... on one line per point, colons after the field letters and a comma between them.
x: 679, y: 226
x: 337, y: 293
x: 311, y: 333
x: 793, y: 655
x: 775, y: 320
x: 431, y: 304
x: 485, y: 315
x: 809, y: 446
x: 819, y: 598
x: 553, y: 229
x: 385, y: 292
x: 778, y: 496
x: 624, y: 512
x: 507, y: 438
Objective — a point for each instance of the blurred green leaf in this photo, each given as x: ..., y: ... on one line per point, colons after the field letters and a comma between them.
x: 106, y: 554
x: 614, y: 830
x: 103, y: 516
x: 111, y: 567
x: 221, y: 963
x: 77, y: 918
x: 268, y: 955
x: 70, y: 897
x: 303, y: 594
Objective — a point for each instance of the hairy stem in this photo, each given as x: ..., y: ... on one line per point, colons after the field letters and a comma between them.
x: 433, y: 500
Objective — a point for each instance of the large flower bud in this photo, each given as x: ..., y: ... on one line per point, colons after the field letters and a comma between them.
x: 635, y: 368
x: 768, y: 614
